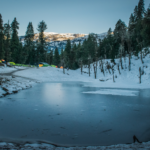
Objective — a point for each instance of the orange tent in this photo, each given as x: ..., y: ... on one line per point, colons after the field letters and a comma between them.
x: 61, y: 67
x: 40, y: 65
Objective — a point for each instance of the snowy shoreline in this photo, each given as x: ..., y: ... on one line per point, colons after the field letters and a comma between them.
x: 38, y: 146
x: 11, y: 84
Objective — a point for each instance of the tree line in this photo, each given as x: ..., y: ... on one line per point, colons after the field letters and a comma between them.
x: 123, y: 41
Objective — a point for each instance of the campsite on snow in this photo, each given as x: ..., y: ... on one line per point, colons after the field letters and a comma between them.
x: 75, y: 91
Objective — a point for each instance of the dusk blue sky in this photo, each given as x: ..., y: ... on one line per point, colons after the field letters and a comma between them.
x: 68, y: 16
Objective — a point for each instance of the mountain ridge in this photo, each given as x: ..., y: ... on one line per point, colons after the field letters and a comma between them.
x: 59, y: 40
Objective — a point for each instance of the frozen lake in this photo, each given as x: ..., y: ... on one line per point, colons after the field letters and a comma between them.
x: 67, y: 113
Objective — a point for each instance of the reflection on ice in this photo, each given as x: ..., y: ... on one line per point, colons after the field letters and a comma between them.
x: 114, y: 92
x: 56, y: 90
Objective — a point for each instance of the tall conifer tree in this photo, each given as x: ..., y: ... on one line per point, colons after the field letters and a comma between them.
x: 141, y: 9
x: 56, y: 57
x: 51, y: 57
x: 131, y: 23
x: 15, y: 41
x: 29, y: 44
x: 146, y: 28
x: 41, y: 48
x: 7, y: 32
x: 67, y: 53
x: 1, y: 38
x: 136, y: 13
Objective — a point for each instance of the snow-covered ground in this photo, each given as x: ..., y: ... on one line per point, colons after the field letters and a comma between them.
x: 6, y: 69
x: 14, y: 84
x: 10, y: 84
x: 135, y: 146
x: 127, y: 79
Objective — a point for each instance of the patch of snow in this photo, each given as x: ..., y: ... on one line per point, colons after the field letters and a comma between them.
x: 114, y: 92
x: 6, y: 69
x: 140, y: 146
x: 12, y: 84
x: 2, y: 92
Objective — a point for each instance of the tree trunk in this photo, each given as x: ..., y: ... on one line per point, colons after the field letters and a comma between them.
x: 113, y: 78
x: 103, y: 69
x: 141, y: 57
x: 63, y: 69
x: 96, y: 65
x: 89, y: 69
x: 119, y: 69
x: 129, y: 62
x: 95, y: 71
x: 121, y: 62
x: 81, y: 67
x: 139, y: 74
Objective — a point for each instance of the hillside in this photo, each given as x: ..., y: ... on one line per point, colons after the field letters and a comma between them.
x: 52, y: 36
x: 56, y: 40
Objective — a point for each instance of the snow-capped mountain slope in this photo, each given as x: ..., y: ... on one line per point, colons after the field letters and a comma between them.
x: 52, y: 36
x: 59, y: 40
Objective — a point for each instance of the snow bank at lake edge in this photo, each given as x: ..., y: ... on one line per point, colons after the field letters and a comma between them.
x: 13, y: 85
x: 10, y: 84
x: 140, y: 146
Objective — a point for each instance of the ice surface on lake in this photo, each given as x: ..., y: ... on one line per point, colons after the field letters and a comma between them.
x: 60, y: 113
x: 114, y: 92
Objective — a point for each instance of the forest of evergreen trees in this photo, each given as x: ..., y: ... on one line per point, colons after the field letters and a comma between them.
x: 123, y: 41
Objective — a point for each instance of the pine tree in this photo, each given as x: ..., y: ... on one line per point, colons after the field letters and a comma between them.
x: 51, y: 57
x: 42, y: 46
x: 1, y: 38
x: 7, y: 31
x: 137, y: 36
x: 83, y: 52
x: 68, y: 47
x: 109, y: 33
x: 136, y: 13
x: 21, y: 55
x: 67, y: 53
x: 56, y: 57
x: 62, y: 54
x: 129, y: 41
x: 119, y: 32
x: 141, y: 9
x: 131, y: 33
x: 29, y: 44
x: 146, y: 27
x: 91, y: 46
x: 73, y: 62
x: 79, y: 45
x: 120, y: 28
x: 131, y: 26
x: 15, y: 41
x: 110, y: 41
